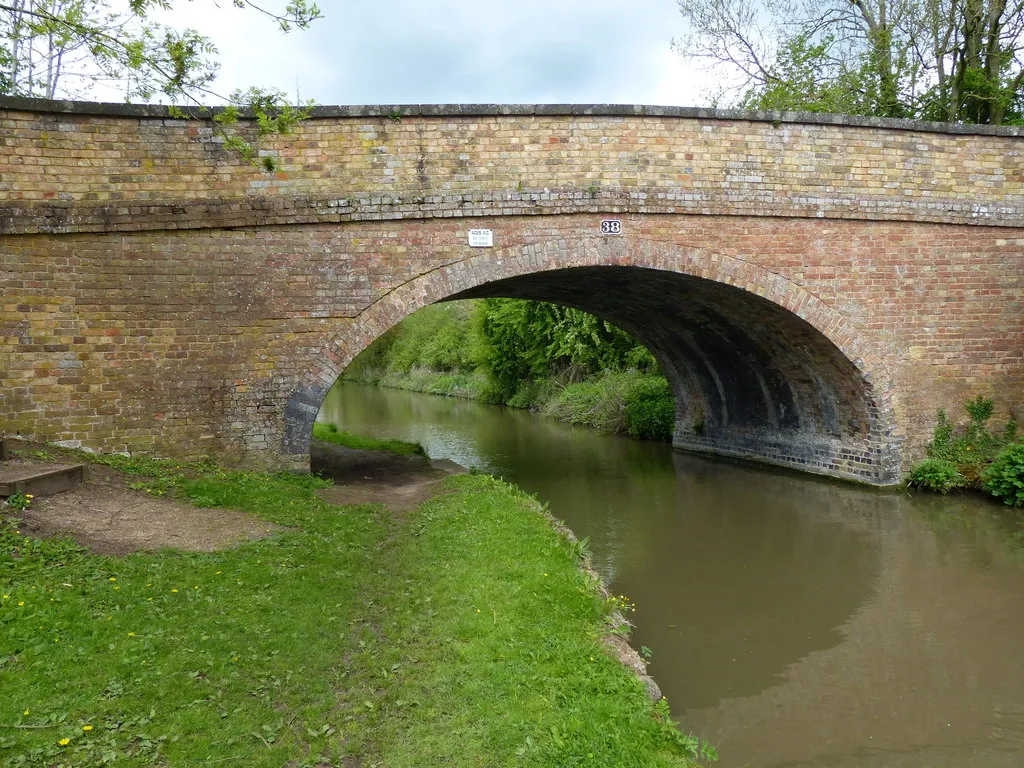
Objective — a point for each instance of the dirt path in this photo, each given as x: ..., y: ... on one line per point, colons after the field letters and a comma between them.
x: 107, y: 516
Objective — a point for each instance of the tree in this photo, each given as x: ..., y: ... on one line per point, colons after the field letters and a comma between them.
x: 524, y: 340
x: 949, y: 60
x: 62, y: 48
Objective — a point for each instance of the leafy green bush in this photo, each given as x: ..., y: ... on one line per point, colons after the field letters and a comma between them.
x: 965, y: 456
x: 650, y: 409
x: 972, y: 447
x: 939, y: 475
x: 1004, y: 478
x: 533, y: 340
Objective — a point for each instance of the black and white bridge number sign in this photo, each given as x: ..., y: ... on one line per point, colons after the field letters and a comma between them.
x: 611, y: 227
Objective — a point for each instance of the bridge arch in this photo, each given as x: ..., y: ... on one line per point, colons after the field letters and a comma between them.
x: 761, y: 368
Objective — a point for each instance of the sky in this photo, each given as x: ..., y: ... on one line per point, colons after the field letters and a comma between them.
x: 457, y: 51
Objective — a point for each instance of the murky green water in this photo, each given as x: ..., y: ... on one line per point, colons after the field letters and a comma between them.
x: 794, y: 622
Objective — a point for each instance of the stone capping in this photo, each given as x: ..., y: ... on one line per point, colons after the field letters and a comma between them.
x: 398, y: 111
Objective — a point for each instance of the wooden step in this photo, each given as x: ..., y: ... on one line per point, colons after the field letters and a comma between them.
x: 40, y: 479
x: 5, y: 449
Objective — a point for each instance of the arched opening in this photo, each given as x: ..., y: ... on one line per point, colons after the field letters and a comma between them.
x: 760, y: 368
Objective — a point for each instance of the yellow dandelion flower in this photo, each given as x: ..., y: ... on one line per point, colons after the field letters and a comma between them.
x: 86, y: 727
x: 25, y: 712
x: 131, y: 634
x: 111, y: 579
x: 21, y: 603
x: 174, y: 590
x: 64, y: 742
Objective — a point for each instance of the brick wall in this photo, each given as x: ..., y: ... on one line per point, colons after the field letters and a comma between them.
x: 816, y: 291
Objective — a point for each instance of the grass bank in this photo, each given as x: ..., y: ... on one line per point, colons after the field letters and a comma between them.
x: 469, y: 386
x: 329, y: 433
x: 631, y: 403
x: 463, y: 633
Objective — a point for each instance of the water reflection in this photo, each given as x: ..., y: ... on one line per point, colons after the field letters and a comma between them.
x: 794, y: 622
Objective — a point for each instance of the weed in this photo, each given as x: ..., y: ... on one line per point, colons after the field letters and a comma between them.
x: 1004, y: 478
x: 937, y: 475
x: 961, y: 456
x: 19, y: 501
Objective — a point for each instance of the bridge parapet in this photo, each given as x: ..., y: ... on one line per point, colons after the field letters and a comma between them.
x: 69, y: 167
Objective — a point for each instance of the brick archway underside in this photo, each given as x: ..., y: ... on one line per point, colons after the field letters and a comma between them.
x: 760, y: 368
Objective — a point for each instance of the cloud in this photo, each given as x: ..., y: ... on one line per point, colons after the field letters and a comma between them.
x: 410, y: 51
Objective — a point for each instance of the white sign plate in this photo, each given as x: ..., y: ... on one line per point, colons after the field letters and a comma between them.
x: 611, y: 227
x: 481, y: 238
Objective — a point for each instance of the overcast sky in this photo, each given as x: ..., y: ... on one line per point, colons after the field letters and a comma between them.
x: 468, y: 51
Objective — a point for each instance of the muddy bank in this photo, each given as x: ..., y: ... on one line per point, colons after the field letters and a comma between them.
x: 378, y: 477
x: 109, y: 516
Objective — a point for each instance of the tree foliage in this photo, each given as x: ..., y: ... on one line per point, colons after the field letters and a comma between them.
x: 526, y: 340
x: 945, y: 60
x: 64, y: 48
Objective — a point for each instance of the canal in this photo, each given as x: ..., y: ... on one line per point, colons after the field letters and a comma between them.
x: 793, y: 621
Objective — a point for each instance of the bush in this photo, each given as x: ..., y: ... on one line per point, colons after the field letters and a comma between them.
x: 961, y: 456
x: 939, y: 475
x: 650, y: 409
x: 1004, y: 479
x: 972, y: 447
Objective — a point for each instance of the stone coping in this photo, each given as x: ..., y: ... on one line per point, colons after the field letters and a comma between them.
x: 398, y: 111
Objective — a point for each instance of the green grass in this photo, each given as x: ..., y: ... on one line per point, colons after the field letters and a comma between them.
x: 462, y: 634
x: 181, y: 659
x: 488, y: 647
x: 329, y: 433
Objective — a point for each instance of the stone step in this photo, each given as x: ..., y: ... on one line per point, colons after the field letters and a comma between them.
x: 39, y: 479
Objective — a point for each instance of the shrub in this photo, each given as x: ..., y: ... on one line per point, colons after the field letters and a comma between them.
x: 958, y: 456
x: 938, y: 475
x: 1004, y: 478
x: 650, y: 409
x: 970, y: 448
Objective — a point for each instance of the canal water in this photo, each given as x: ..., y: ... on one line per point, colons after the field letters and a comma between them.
x: 793, y: 621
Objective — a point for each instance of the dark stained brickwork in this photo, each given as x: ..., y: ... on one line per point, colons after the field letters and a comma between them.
x: 815, y: 291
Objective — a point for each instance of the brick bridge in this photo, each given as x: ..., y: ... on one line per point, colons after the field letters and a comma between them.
x: 814, y: 287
